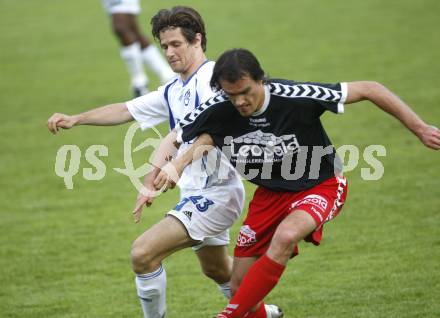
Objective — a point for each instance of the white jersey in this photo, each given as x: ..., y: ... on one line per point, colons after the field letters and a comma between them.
x: 172, y: 102
x: 122, y: 6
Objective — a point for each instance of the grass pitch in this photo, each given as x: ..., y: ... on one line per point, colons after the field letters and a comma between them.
x: 65, y: 253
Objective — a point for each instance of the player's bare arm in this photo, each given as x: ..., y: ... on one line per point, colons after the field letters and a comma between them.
x: 172, y: 171
x: 113, y: 114
x: 392, y: 104
x: 166, y: 150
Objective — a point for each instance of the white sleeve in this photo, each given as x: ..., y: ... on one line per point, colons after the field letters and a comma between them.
x: 149, y: 110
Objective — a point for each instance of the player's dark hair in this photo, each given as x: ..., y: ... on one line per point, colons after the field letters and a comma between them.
x: 185, y: 18
x: 233, y: 64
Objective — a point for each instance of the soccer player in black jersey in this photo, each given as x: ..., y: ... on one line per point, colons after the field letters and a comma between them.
x: 271, y: 132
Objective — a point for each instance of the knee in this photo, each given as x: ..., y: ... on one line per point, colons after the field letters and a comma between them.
x: 283, y: 243
x: 120, y: 28
x: 285, y: 238
x: 143, y: 258
x: 219, y: 274
x: 124, y: 33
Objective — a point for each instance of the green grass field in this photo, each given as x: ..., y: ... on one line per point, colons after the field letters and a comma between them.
x: 65, y: 253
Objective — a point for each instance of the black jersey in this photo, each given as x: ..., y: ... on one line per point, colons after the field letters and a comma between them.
x: 283, y: 146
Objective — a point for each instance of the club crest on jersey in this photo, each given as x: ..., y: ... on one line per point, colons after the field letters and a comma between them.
x: 246, y: 237
x: 258, y: 146
x: 186, y: 97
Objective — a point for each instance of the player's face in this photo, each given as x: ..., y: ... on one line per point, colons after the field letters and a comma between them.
x: 181, y: 54
x: 245, y: 94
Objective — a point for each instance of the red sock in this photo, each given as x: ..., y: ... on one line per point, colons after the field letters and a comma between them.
x: 259, y: 313
x: 261, y: 278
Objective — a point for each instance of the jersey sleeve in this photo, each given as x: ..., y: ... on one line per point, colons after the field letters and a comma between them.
x: 330, y: 97
x: 149, y: 110
x: 313, y: 98
x: 336, y: 104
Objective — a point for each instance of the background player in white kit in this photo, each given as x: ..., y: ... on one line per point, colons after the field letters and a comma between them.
x: 209, y: 206
x: 136, y: 49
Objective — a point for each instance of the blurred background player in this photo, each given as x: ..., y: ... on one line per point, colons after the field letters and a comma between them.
x: 136, y: 48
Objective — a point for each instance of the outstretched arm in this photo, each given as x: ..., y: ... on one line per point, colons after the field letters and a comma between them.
x: 172, y: 171
x: 113, y: 114
x: 392, y: 104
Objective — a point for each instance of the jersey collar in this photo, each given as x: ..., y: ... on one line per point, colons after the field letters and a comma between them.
x: 195, y: 72
x: 265, y: 103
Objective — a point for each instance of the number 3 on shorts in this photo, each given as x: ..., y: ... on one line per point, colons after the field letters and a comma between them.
x: 201, y: 203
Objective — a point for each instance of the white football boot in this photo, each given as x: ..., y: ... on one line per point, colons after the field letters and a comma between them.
x: 273, y: 311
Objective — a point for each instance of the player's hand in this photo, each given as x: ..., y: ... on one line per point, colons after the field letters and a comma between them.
x: 168, y: 176
x: 145, y: 197
x: 430, y: 137
x: 141, y: 201
x: 57, y: 121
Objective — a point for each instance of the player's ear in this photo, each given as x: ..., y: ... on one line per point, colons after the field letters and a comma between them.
x: 198, y: 39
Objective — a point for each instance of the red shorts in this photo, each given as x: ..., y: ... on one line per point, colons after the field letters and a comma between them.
x: 268, y: 209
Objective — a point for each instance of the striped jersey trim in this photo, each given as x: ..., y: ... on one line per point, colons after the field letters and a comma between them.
x: 189, y: 118
x: 306, y: 91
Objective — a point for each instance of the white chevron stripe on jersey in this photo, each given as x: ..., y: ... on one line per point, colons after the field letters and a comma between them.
x: 305, y: 91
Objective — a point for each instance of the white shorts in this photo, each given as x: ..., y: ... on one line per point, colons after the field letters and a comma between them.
x: 208, y: 214
x: 122, y: 6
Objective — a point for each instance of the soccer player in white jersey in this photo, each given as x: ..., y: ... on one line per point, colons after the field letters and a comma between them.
x: 136, y: 49
x: 209, y: 206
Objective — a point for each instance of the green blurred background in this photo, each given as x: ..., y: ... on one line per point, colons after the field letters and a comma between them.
x: 65, y: 253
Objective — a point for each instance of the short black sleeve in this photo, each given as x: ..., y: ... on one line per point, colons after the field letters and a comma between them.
x: 318, y: 96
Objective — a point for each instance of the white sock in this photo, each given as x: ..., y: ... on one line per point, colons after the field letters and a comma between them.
x: 154, y: 60
x: 132, y: 56
x: 151, y: 289
x: 225, y: 289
